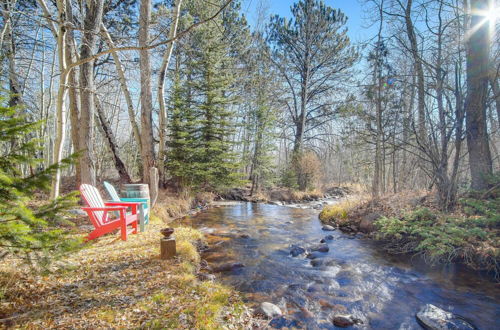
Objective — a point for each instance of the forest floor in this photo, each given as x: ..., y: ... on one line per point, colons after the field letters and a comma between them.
x: 111, y: 283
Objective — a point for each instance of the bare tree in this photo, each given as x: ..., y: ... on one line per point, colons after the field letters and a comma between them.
x: 91, y: 26
x: 147, y: 150
x: 478, y: 50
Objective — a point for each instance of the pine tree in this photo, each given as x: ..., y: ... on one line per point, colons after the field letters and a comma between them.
x: 28, y: 231
x: 202, y: 121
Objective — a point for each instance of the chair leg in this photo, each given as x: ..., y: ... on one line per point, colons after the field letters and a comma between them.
x: 123, y: 230
x: 134, y: 225
x: 91, y: 236
x: 141, y: 218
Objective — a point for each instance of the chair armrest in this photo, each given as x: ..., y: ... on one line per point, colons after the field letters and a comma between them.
x: 133, y: 206
x: 137, y: 200
x: 125, y: 204
x: 109, y: 209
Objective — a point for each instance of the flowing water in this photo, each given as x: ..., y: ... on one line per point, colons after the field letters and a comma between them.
x: 356, y: 278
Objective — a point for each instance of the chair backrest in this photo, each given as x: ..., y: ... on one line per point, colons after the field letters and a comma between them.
x: 93, y: 198
x: 111, y: 191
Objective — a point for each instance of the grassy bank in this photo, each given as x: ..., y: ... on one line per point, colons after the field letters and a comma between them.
x: 116, y: 284
x: 412, y: 223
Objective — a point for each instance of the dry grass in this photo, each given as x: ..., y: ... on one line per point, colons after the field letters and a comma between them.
x: 341, y: 212
x: 116, y: 284
x: 291, y: 196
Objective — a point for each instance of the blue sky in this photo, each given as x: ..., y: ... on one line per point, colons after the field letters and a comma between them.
x: 353, y: 9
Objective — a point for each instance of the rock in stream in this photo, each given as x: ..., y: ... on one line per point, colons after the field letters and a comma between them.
x: 431, y: 317
x: 269, y: 310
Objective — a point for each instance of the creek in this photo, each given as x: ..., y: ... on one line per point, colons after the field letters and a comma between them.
x: 354, y: 277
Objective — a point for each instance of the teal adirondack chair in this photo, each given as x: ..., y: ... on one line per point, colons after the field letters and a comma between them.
x: 144, y: 207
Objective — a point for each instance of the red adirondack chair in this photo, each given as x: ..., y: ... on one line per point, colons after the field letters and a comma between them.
x: 98, y: 212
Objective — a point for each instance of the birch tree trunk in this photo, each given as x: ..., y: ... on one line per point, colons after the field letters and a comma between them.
x: 147, y: 150
x: 123, y: 86
x: 61, y: 96
x: 161, y: 86
x: 91, y: 27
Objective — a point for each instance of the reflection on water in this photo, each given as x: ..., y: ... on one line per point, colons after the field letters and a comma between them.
x: 354, y: 276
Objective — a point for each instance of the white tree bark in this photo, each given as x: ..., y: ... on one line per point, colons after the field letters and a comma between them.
x: 61, y: 96
x: 161, y: 87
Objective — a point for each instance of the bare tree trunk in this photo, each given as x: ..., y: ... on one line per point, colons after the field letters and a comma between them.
x: 496, y: 92
x: 478, y: 49
x: 123, y: 86
x: 91, y: 26
x: 110, y: 137
x: 61, y: 96
x: 161, y: 86
x: 74, y: 113
x: 410, y: 31
x: 148, y: 159
x: 10, y: 52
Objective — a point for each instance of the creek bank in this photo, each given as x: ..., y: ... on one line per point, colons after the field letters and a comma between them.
x: 413, y: 223
x: 282, y: 196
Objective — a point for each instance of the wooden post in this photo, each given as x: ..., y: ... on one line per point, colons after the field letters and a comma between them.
x: 167, y: 248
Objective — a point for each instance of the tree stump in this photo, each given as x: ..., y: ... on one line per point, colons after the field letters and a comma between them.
x: 167, y: 248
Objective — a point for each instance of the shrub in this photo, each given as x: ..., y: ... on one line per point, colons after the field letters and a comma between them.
x: 444, y: 238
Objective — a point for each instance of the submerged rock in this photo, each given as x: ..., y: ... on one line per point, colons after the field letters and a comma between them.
x: 320, y: 248
x: 322, y: 262
x: 269, y: 310
x: 244, y: 236
x: 228, y: 267
x: 281, y: 322
x: 297, y: 250
x: 345, y: 321
x: 328, y: 228
x: 431, y: 317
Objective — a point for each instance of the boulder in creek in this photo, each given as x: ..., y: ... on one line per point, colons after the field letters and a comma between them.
x: 297, y: 250
x: 326, y: 238
x: 367, y: 224
x: 431, y: 317
x: 320, y: 248
x: 345, y: 320
x: 314, y: 255
x: 244, y: 236
x: 228, y: 267
x: 328, y: 228
x: 269, y: 310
